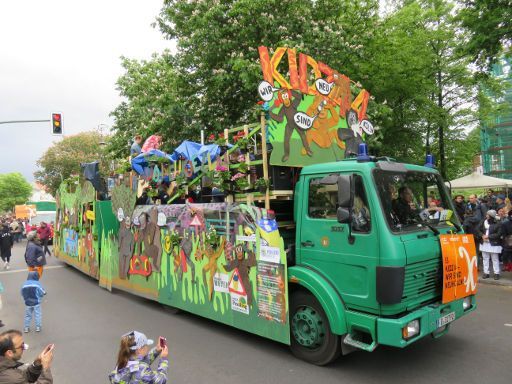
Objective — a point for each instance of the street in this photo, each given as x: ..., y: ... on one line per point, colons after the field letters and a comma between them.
x: 86, y: 322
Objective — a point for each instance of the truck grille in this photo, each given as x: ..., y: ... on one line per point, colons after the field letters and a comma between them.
x: 423, y: 281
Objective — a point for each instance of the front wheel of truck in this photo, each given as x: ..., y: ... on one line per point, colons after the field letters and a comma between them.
x: 310, y: 332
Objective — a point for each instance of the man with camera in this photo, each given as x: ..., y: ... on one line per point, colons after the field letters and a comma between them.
x: 12, y: 370
x: 475, y: 213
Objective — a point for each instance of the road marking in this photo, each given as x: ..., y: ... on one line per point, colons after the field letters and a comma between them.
x: 25, y: 270
x: 508, y: 325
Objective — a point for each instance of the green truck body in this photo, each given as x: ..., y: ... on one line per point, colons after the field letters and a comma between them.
x: 352, y: 274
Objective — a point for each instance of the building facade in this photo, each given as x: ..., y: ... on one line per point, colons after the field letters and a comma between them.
x: 496, y: 131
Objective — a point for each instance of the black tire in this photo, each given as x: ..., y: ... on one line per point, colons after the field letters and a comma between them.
x: 330, y: 347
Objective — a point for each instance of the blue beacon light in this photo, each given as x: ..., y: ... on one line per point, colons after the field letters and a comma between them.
x: 430, y: 161
x: 362, y: 152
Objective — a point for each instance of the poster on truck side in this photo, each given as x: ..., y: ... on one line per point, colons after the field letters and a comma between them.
x: 460, y: 272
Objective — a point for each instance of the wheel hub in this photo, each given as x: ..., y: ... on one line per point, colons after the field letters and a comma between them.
x: 307, y: 327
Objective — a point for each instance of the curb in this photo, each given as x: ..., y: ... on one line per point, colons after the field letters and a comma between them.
x: 502, y: 282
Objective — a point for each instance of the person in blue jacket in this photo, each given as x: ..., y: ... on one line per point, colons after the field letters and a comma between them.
x: 32, y: 292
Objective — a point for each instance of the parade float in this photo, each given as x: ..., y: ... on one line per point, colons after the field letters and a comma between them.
x: 274, y: 243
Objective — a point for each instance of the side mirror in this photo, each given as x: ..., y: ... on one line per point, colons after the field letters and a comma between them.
x: 343, y: 215
x: 344, y: 191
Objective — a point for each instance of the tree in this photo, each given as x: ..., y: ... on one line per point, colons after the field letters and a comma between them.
x: 152, y: 105
x: 63, y: 159
x: 14, y: 190
x: 217, y: 62
x: 490, y: 26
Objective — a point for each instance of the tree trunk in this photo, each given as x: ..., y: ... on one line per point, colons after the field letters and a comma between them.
x: 440, y: 131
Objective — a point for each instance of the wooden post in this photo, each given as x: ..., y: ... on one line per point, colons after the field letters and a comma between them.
x: 248, y: 199
x: 265, y: 159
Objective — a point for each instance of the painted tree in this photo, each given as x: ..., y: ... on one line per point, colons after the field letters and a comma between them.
x: 14, y: 190
x: 63, y: 159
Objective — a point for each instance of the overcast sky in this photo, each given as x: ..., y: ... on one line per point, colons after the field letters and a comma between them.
x: 64, y: 56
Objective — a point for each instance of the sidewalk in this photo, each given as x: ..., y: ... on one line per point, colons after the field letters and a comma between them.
x: 505, y: 279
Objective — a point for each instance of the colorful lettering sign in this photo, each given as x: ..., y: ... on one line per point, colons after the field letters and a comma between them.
x: 460, y: 272
x: 314, y: 117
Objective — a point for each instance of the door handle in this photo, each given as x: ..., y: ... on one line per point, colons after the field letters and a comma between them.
x: 307, y: 243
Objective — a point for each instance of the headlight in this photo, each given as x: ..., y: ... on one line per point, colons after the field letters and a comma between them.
x: 411, y: 329
x: 466, y: 303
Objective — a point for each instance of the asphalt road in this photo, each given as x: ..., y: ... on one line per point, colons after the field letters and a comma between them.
x: 85, y: 322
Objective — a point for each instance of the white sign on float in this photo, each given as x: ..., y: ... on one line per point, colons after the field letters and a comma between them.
x: 303, y: 121
x: 239, y: 303
x: 221, y: 282
x: 266, y: 90
x: 120, y: 214
x: 323, y: 87
x: 270, y: 254
x: 367, y: 127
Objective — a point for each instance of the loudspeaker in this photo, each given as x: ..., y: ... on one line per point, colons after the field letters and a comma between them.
x: 282, y: 177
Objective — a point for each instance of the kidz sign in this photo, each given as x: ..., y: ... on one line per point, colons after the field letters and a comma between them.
x: 328, y: 82
x: 313, y: 116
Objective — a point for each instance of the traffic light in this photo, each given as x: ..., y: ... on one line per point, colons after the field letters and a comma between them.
x: 57, y: 123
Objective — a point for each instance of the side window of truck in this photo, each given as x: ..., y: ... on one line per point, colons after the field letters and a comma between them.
x: 360, y: 211
x: 322, y: 199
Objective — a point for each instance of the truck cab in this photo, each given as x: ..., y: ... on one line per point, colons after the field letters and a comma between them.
x: 368, y: 268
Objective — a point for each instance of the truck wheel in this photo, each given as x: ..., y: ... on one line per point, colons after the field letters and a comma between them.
x: 310, y: 332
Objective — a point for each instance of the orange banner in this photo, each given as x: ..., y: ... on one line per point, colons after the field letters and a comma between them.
x: 460, y: 272
x: 25, y: 211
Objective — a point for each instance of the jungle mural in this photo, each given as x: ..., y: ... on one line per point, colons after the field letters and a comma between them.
x: 222, y: 261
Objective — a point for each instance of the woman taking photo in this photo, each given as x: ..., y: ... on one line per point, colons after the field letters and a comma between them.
x: 489, y: 232
x: 134, y: 361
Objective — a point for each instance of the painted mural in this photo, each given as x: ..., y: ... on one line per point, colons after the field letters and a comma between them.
x: 222, y: 261
x: 313, y: 116
x: 76, y: 235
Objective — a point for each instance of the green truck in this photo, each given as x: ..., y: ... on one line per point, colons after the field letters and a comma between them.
x: 378, y: 283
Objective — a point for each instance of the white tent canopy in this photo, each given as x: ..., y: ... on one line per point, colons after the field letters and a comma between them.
x: 476, y: 180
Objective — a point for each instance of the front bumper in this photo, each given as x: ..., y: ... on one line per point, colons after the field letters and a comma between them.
x: 389, y: 331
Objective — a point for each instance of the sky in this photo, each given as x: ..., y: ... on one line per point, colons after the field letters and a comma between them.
x: 64, y: 56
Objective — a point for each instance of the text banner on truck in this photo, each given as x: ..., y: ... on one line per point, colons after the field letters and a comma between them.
x: 459, y: 266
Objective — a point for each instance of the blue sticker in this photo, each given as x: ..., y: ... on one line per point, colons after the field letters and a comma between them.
x: 268, y: 225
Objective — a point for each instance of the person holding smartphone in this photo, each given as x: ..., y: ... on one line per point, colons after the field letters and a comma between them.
x: 135, y: 358
x: 12, y: 370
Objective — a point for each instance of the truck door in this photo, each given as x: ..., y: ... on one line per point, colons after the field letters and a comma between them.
x: 347, y: 260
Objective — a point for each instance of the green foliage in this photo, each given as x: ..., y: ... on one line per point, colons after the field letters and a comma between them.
x: 153, y: 104
x: 412, y: 60
x: 490, y: 26
x: 63, y: 159
x: 14, y: 190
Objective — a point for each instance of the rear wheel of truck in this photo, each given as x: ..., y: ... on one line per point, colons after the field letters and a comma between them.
x: 310, y: 332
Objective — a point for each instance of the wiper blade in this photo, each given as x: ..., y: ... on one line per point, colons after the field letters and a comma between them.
x: 431, y: 227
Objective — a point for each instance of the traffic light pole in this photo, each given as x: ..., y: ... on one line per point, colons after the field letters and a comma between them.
x: 24, y: 121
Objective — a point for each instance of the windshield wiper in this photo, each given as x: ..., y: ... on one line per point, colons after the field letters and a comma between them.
x: 431, y: 227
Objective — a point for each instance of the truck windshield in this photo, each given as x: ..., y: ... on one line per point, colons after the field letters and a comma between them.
x: 413, y: 200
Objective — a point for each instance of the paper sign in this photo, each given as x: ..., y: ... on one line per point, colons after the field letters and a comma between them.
x: 270, y: 254
x: 239, y: 303
x: 235, y: 284
x: 221, y: 282
x: 120, y: 214
x: 460, y: 272
x: 245, y: 238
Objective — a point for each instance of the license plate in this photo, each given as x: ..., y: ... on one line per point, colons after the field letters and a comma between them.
x: 445, y: 319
